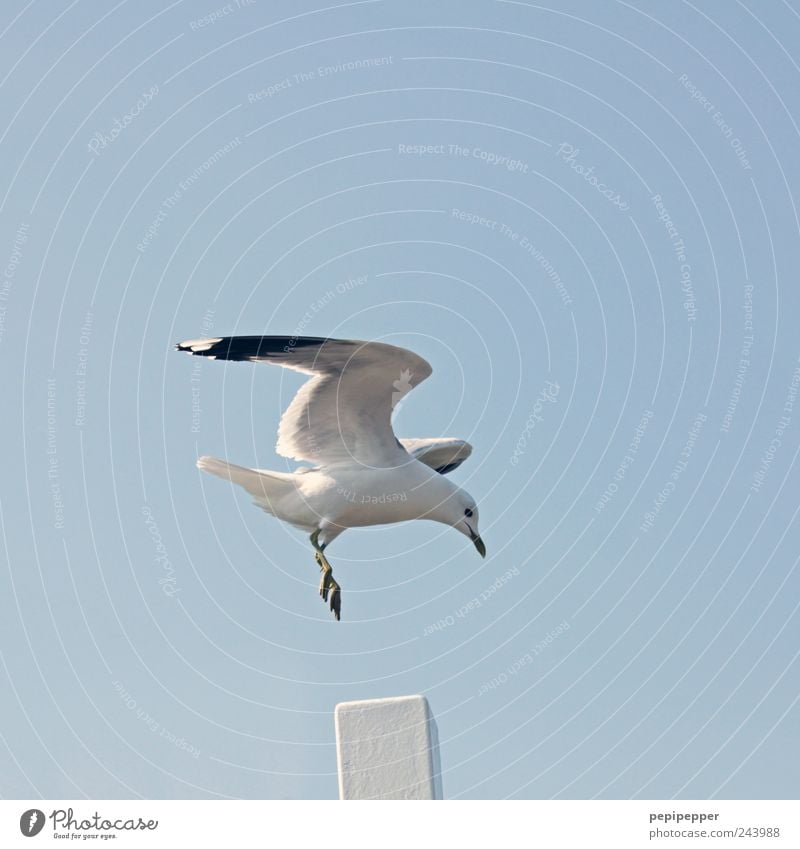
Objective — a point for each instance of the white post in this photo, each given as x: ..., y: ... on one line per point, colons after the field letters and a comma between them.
x: 388, y: 749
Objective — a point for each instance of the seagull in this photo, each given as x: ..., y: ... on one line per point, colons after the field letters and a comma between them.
x: 341, y: 421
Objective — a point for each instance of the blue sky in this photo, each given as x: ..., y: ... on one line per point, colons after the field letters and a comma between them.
x: 582, y: 214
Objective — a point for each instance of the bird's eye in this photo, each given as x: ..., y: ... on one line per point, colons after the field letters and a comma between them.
x: 468, y: 513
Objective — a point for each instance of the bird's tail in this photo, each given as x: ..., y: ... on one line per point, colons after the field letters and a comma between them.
x: 266, y: 487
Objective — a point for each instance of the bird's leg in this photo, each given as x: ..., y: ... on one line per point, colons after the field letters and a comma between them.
x: 327, y: 584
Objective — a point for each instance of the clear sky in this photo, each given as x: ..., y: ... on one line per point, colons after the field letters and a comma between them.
x: 583, y: 214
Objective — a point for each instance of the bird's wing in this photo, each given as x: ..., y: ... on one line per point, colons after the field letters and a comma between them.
x: 343, y: 414
x: 443, y: 454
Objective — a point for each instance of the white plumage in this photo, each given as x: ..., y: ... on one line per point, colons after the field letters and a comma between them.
x: 340, y: 420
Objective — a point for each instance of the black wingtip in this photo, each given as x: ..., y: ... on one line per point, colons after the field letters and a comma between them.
x: 249, y: 347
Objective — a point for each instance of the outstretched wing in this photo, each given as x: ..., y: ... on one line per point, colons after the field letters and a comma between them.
x: 343, y: 414
x: 442, y: 455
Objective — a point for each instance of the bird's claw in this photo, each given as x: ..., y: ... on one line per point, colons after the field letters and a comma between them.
x: 336, y: 600
x: 331, y: 593
x: 325, y: 584
x: 329, y: 589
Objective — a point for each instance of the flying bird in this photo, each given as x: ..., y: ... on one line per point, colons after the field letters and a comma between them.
x: 340, y: 421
